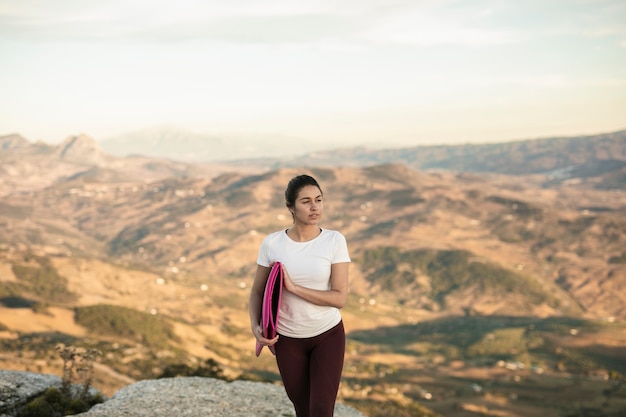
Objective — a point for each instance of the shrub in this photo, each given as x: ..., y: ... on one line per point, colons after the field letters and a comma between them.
x: 153, y: 331
x: 209, y: 369
x: 77, y: 367
x: 503, y: 343
x: 449, y: 270
x: 127, y: 240
x: 621, y: 259
x: 374, y: 408
x: 54, y: 403
x: 43, y: 281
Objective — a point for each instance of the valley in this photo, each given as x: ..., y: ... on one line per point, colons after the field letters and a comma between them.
x: 472, y: 293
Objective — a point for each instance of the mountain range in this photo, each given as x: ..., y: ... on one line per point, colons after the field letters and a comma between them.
x: 555, y: 156
x: 170, y: 142
x: 161, y: 152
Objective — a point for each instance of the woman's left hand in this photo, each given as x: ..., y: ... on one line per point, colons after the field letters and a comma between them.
x: 334, y: 297
x: 287, y: 282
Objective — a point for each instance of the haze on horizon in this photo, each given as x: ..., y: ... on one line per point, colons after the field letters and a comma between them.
x: 356, y: 73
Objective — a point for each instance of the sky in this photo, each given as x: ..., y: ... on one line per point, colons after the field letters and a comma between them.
x: 398, y: 72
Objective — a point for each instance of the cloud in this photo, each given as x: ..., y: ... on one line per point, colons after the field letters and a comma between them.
x: 377, y: 22
x: 426, y: 28
x: 158, y: 21
x: 246, y: 21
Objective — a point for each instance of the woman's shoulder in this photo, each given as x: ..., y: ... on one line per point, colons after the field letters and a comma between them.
x: 333, y: 234
x: 275, y: 235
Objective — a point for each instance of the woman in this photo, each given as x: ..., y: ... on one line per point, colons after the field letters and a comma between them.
x: 311, y: 340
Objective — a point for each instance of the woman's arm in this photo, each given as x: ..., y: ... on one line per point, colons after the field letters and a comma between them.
x: 254, y: 304
x: 334, y: 297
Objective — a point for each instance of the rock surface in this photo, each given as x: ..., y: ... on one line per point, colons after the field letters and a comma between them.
x: 169, y: 397
x: 16, y: 388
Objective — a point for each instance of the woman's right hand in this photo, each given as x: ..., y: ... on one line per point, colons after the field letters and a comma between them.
x: 258, y: 333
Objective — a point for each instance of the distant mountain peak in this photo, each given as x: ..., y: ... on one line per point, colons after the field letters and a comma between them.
x: 81, y: 149
x: 13, y: 141
x: 176, y: 143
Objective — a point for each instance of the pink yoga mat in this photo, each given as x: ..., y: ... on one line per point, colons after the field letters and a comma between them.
x: 271, y: 305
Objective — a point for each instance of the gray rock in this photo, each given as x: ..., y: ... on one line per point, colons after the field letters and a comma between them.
x: 168, y: 397
x: 201, y: 397
x: 17, y: 388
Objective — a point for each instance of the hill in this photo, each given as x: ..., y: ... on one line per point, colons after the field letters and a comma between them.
x: 170, y: 142
x: 26, y: 166
x: 601, y: 156
x: 500, y: 236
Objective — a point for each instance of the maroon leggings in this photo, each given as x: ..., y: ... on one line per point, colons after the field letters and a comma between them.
x: 311, y: 370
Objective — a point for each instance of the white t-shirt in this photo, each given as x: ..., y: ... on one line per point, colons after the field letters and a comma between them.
x: 308, y: 265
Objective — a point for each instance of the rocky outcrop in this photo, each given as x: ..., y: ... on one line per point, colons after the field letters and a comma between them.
x: 168, y: 397
x: 11, y: 142
x: 81, y: 149
x: 17, y: 388
x: 27, y: 167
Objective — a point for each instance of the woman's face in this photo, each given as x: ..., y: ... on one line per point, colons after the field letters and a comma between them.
x: 309, y: 205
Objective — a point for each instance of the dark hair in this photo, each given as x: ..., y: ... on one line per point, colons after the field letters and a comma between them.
x: 294, y: 187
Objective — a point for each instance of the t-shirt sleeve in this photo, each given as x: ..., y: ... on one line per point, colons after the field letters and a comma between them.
x: 341, y: 250
x: 263, y: 258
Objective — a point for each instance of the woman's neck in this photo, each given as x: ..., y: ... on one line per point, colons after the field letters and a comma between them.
x: 303, y: 233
